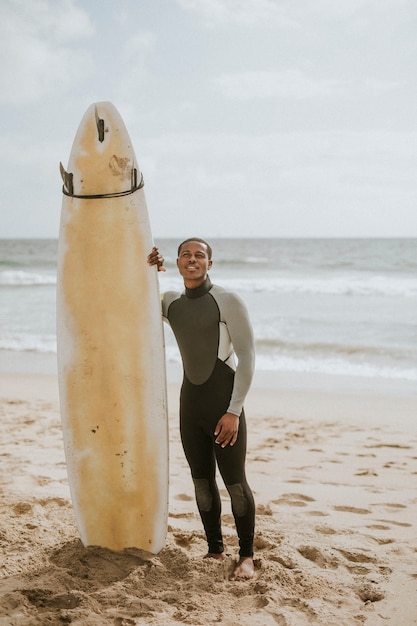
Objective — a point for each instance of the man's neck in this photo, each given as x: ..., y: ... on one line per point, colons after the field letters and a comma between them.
x: 193, y: 284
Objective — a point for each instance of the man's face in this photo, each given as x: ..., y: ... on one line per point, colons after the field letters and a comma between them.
x: 193, y: 263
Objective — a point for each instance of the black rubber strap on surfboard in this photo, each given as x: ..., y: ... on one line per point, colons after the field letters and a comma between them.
x: 68, y: 187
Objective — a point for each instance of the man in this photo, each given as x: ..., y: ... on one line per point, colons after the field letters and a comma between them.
x: 211, y: 325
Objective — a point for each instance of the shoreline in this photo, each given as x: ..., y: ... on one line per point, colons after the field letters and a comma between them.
x: 369, y: 402
x: 36, y: 363
x: 294, y: 394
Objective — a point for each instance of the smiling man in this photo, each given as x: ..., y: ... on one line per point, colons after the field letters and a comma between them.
x: 211, y: 326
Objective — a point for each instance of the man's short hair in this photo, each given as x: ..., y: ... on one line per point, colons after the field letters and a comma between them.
x: 209, y: 250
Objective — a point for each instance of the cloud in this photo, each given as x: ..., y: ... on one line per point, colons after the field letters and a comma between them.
x: 289, y: 183
x: 245, y: 12
x: 289, y: 13
x: 378, y: 84
x: 294, y: 84
x: 36, y: 44
x: 130, y: 85
x: 138, y: 47
x: 364, y: 10
x: 276, y: 84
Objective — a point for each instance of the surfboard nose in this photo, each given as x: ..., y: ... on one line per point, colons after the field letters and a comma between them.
x: 102, y: 152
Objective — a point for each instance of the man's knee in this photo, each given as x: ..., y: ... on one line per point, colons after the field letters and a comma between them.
x: 203, y: 494
x: 238, y: 498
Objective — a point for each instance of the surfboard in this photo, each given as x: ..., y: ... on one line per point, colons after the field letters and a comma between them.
x: 110, y: 343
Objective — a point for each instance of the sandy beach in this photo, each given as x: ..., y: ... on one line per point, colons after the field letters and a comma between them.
x: 334, y: 473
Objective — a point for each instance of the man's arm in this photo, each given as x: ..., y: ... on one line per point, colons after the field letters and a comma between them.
x: 235, y: 315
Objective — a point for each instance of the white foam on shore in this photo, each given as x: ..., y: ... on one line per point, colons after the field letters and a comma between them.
x: 20, y: 278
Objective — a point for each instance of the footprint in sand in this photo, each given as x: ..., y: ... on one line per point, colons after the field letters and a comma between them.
x: 368, y: 455
x: 42, y: 598
x: 317, y: 513
x: 183, y: 539
x: 98, y: 565
x: 293, y: 499
x: 182, y: 515
x: 271, y: 442
x: 263, y: 509
x: 389, y: 445
x: 262, y: 459
x: 369, y: 592
x: 263, y: 543
x: 401, y: 524
x: 378, y: 527
x: 352, y: 509
x: 366, y: 472
x: 326, y: 530
x: 358, y: 570
x: 394, y: 505
x: 395, y: 465
x: 383, y: 541
x: 183, y: 497
x: 354, y: 556
x: 312, y: 553
x: 21, y: 508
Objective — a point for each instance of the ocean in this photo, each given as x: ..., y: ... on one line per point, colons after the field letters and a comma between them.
x: 340, y: 307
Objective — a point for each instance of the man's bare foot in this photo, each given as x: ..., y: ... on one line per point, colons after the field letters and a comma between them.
x: 244, y: 570
x: 218, y: 556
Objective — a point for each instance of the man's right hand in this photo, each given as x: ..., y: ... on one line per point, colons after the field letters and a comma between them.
x: 155, y: 258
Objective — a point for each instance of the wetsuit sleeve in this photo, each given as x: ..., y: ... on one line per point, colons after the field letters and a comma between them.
x: 164, y: 307
x: 166, y: 299
x: 235, y: 315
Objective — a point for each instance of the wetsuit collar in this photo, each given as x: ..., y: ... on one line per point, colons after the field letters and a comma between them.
x: 199, y: 291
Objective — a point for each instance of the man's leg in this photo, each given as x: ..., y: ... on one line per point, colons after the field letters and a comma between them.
x: 198, y: 449
x: 231, y: 462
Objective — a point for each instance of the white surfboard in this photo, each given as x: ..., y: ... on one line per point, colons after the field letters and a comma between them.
x: 111, y: 362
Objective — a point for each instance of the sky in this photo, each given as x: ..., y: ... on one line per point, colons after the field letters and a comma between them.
x: 249, y: 118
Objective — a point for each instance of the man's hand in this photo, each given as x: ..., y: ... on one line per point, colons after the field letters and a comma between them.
x: 155, y: 258
x: 227, y: 429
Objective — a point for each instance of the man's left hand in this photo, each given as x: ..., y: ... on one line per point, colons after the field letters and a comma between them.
x: 227, y: 430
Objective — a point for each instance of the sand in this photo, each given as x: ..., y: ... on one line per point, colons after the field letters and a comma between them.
x: 334, y: 473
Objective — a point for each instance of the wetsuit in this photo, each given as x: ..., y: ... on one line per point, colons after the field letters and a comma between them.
x: 210, y: 325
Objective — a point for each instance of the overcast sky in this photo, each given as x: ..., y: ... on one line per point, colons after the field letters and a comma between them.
x: 248, y: 117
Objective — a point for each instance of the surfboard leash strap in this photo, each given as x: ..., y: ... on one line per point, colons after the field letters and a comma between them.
x: 68, y: 186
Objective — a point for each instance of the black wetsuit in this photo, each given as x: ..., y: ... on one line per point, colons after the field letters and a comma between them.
x: 210, y: 325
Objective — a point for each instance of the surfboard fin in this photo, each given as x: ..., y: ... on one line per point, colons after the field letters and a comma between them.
x: 100, y: 126
x: 67, y: 178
